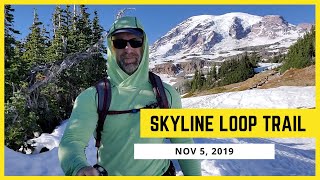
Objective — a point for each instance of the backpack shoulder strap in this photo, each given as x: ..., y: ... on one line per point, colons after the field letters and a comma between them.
x: 103, y: 88
x: 158, y: 90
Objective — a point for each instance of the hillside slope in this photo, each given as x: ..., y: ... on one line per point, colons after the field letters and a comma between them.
x: 268, y: 79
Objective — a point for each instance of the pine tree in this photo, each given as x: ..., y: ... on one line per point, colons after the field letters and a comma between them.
x: 302, y: 53
x: 73, y: 31
x: 57, y: 49
x: 89, y: 71
x: 82, y: 35
x: 45, y: 106
x: 67, y: 27
x: 211, y: 76
x: 35, y: 64
x: 20, y: 120
x: 194, y: 81
x: 50, y: 110
x: 84, y: 27
x: 199, y: 81
x: 35, y: 45
x: 236, y: 70
x: 11, y: 58
x: 99, y: 63
x: 9, y: 33
x: 254, y: 58
x: 97, y: 30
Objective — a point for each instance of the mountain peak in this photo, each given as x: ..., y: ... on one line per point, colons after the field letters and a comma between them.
x: 211, y: 34
x: 200, y: 17
x: 274, y: 19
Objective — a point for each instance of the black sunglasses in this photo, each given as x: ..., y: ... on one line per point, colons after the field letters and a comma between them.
x: 121, y: 43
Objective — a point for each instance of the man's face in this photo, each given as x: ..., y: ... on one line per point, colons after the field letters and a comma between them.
x: 128, y: 57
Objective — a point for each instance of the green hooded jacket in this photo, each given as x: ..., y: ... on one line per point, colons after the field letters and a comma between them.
x: 121, y: 132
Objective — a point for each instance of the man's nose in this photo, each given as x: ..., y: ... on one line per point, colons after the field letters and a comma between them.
x: 128, y: 47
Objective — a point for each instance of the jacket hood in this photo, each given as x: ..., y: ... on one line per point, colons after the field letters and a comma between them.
x: 116, y: 74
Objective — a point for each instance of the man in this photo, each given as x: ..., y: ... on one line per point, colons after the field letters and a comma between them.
x: 128, y: 66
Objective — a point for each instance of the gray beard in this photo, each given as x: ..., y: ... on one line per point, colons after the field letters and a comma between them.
x: 129, y: 68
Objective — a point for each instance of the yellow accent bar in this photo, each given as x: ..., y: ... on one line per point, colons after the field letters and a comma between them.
x: 214, y: 123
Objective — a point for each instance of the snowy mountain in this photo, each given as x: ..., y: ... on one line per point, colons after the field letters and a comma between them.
x: 293, y: 156
x: 210, y: 36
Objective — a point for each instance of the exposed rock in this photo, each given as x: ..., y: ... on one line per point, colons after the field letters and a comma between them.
x: 304, y: 26
x: 44, y: 149
x: 236, y: 31
x: 166, y: 68
x: 270, y: 26
x: 188, y: 67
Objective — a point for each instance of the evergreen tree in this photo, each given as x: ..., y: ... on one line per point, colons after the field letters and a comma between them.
x: 195, y: 81
x: 97, y: 30
x: 82, y: 35
x: 67, y: 27
x: 302, y: 53
x: 11, y: 55
x: 9, y: 33
x: 89, y: 71
x: 97, y: 34
x: 211, y: 76
x: 234, y: 71
x: 41, y: 109
x: 277, y: 58
x: 214, y: 72
x: 57, y: 49
x: 20, y: 120
x: 67, y: 16
x: 84, y: 28
x: 199, y: 81
x: 254, y: 59
x: 49, y: 106
x: 73, y: 31
x: 35, y: 45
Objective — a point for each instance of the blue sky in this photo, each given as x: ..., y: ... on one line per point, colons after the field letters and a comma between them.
x: 158, y: 20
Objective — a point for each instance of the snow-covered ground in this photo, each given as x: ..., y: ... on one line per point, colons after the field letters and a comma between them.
x: 281, y: 97
x: 293, y: 156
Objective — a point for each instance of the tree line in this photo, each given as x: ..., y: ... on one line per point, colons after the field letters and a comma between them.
x: 231, y: 71
x: 301, y: 54
x: 40, y: 85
